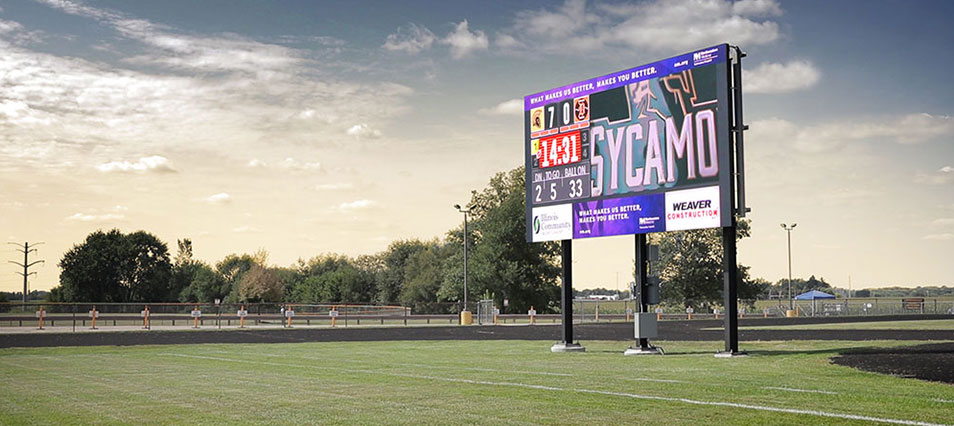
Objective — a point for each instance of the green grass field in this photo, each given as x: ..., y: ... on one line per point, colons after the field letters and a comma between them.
x: 449, y: 382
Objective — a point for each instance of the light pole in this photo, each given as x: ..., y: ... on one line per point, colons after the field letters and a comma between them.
x: 788, y: 229
x: 465, y: 211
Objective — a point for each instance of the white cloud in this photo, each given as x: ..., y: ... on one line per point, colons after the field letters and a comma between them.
x: 944, y: 221
x: 756, y: 8
x: 356, y: 205
x: 155, y: 163
x: 220, y: 198
x: 198, y: 90
x: 289, y: 163
x: 363, y: 131
x: 295, y: 165
x: 940, y: 177
x: 511, y: 107
x: 654, y: 26
x: 463, y: 42
x: 107, y: 217
x: 245, y: 229
x: 939, y: 237
x: 410, y: 39
x: 333, y: 186
x: 780, y: 78
x: 911, y: 128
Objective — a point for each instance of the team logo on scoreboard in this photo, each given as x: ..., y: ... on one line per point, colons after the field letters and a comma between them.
x: 693, y: 209
x: 581, y: 108
x: 536, y: 120
x: 553, y: 223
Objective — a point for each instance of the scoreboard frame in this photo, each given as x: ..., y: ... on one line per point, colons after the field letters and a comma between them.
x: 661, y: 161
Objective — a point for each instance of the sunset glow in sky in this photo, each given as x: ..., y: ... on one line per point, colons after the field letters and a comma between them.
x: 315, y: 127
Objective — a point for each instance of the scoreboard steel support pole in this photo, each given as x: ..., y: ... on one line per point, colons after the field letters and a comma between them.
x: 730, y: 264
x: 566, y: 302
x: 566, y: 299
x: 642, y: 278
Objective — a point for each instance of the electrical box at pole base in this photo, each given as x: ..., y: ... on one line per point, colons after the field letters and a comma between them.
x: 652, y: 290
x: 646, y: 326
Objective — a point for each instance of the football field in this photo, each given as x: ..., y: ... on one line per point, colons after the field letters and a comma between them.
x: 454, y: 382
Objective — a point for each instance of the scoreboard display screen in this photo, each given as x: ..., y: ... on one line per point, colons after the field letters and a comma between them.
x: 641, y: 150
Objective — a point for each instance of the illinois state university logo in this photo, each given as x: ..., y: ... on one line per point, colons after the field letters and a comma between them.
x: 581, y: 108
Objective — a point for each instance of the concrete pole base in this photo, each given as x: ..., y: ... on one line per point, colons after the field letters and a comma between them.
x: 567, y: 347
x: 652, y: 350
x: 738, y: 354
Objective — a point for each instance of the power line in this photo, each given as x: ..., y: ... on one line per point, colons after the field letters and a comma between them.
x: 26, y: 250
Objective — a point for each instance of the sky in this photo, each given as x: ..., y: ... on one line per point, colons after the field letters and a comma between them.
x: 305, y: 128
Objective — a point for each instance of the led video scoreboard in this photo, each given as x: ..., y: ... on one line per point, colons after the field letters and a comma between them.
x: 637, y: 151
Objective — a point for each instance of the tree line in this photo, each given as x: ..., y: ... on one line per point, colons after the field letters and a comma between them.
x: 426, y: 275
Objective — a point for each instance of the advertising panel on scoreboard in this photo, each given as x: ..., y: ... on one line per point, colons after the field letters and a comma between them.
x: 637, y: 151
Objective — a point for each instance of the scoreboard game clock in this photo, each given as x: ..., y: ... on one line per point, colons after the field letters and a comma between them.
x: 641, y: 150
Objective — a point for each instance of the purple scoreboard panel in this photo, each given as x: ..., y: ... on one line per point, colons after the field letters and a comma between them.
x: 637, y: 151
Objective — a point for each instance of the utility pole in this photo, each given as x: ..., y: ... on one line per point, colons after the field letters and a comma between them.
x: 27, y: 248
x: 788, y: 229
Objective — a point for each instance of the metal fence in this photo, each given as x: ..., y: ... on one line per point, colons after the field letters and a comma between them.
x: 83, y: 315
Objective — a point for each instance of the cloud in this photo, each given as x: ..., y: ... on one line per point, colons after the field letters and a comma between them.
x: 182, y: 91
x: 363, y: 131
x: 908, y: 129
x: 940, y: 177
x: 155, y: 163
x: 245, y: 229
x: 410, y: 39
x: 756, y: 8
x: 333, y: 186
x: 107, y: 217
x: 463, y: 42
x: 939, y: 237
x: 356, y: 205
x: 660, y: 26
x: 220, y: 198
x: 780, y: 78
x: 944, y: 221
x: 511, y: 107
x: 289, y: 163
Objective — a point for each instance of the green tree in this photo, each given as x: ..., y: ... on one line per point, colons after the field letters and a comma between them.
x: 332, y: 279
x: 260, y: 284
x: 114, y: 267
x: 206, y: 286
x: 690, y: 267
x: 501, y: 261
x: 394, y: 260
x: 423, y: 276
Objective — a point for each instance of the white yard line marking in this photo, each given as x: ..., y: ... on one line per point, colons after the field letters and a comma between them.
x: 588, y: 391
x: 951, y: 401
x: 647, y: 379
x: 800, y: 390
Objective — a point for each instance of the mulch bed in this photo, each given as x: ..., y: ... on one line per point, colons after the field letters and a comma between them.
x: 934, y: 362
